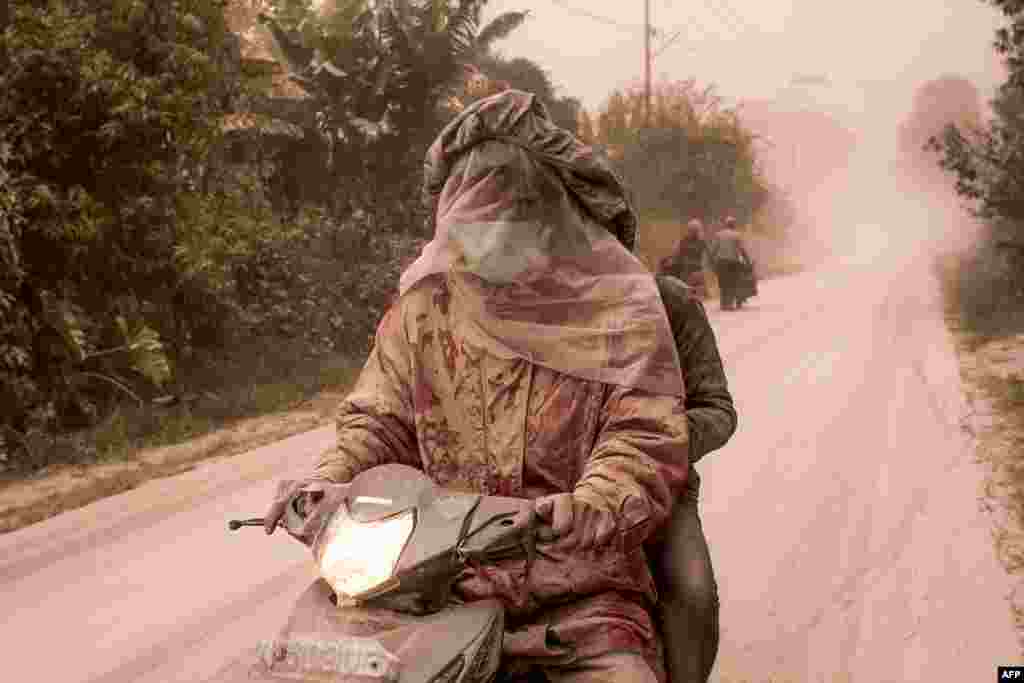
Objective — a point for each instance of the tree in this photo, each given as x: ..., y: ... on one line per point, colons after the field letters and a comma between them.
x: 695, y: 159
x: 500, y: 72
x: 944, y: 101
x: 523, y: 74
x: 987, y: 163
x: 379, y: 75
x: 585, y: 127
x: 107, y: 110
x: 498, y: 29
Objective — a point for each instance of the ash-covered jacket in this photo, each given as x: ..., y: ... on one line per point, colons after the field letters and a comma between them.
x: 430, y: 396
x: 686, y: 258
x: 709, y: 407
x: 727, y: 247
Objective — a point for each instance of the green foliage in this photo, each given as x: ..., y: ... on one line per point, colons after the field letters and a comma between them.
x: 945, y: 101
x: 143, y: 248
x: 498, y: 29
x: 987, y: 163
x: 379, y: 76
x: 695, y: 159
x: 107, y: 109
x: 523, y: 74
x: 988, y: 160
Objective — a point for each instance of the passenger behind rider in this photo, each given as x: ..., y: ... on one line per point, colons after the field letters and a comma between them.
x: 687, y: 591
x: 529, y: 355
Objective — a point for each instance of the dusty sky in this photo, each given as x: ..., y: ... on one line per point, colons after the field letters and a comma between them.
x: 875, y: 52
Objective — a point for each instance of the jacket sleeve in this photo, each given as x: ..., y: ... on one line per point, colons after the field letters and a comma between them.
x: 709, y: 407
x: 741, y: 245
x: 635, y: 468
x: 375, y: 423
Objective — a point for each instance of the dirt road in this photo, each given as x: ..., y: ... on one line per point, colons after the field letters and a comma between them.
x: 843, y: 518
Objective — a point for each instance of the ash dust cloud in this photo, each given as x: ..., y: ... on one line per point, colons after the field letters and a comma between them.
x: 876, y: 211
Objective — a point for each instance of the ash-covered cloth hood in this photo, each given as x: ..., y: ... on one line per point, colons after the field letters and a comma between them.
x: 535, y: 232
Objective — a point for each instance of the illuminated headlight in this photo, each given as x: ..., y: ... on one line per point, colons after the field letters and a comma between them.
x: 356, y: 558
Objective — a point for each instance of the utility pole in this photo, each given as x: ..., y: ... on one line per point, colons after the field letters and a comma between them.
x: 5, y: 19
x: 647, y: 63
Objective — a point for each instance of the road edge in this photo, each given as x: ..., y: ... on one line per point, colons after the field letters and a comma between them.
x: 62, y: 488
x: 995, y: 433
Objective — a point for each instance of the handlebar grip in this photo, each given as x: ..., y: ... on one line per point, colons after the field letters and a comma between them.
x: 236, y: 524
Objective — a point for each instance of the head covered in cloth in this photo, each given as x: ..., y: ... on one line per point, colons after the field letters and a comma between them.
x: 535, y: 232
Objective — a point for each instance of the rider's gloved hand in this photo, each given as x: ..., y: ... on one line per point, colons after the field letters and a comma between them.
x: 575, y: 524
x: 286, y: 490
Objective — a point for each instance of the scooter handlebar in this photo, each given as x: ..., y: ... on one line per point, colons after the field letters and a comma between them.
x: 236, y: 524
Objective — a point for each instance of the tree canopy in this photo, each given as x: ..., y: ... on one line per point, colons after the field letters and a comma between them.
x: 133, y: 235
x: 107, y: 110
x: 938, y: 103
x: 987, y: 160
x: 695, y: 159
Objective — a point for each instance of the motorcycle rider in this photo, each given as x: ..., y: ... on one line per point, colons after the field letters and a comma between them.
x: 528, y: 356
x: 686, y: 262
x: 730, y: 261
x: 687, y: 258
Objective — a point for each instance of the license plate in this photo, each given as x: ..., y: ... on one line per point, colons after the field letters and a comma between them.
x: 304, y: 657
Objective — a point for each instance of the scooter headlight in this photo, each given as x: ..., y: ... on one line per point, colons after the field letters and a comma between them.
x: 357, y: 558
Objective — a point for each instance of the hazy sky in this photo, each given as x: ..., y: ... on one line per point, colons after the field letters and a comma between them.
x: 875, y: 52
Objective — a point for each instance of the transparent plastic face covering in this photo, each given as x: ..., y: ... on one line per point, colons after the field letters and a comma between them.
x: 541, y: 280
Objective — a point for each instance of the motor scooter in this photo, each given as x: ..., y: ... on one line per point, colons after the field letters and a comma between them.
x: 389, y: 547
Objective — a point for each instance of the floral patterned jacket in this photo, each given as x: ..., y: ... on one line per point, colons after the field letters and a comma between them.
x: 430, y: 397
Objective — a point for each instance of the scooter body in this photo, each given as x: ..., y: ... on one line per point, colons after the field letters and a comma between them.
x: 389, y: 547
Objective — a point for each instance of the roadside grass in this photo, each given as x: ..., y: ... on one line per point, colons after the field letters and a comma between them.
x: 990, y: 344
x: 244, y: 387
x: 135, y: 445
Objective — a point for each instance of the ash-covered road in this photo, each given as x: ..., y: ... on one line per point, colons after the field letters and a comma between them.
x: 843, y: 518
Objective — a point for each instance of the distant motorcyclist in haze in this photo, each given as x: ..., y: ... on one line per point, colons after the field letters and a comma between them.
x: 686, y: 261
x: 731, y: 262
x: 529, y: 354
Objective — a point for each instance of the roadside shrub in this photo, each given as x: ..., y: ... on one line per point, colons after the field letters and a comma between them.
x: 989, y: 288
x: 106, y: 111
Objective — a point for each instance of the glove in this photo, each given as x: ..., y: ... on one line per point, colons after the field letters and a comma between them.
x: 574, y: 524
x: 286, y: 490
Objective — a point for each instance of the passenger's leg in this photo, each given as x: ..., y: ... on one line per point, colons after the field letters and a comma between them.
x: 722, y: 272
x: 733, y: 279
x: 688, y: 594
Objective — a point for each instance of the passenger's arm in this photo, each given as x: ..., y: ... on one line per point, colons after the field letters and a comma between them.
x: 746, y: 254
x: 710, y: 412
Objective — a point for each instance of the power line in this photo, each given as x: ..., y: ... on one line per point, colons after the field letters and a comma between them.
x: 723, y: 21
x: 736, y: 15
x: 647, y: 62
x: 693, y: 22
x: 667, y: 43
x: 598, y: 17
